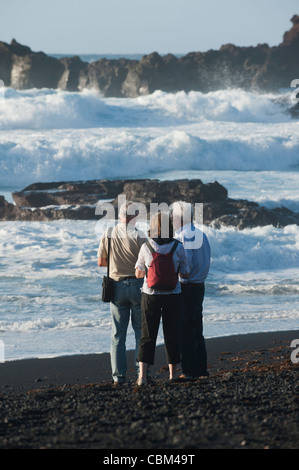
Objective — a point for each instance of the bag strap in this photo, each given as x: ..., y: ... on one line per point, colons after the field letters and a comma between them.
x: 150, y: 248
x: 176, y: 242
x: 109, y: 233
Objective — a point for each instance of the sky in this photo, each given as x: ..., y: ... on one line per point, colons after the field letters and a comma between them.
x: 143, y: 26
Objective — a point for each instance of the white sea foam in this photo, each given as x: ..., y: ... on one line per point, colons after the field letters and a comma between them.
x: 55, y: 109
x: 51, y: 286
x: 260, y: 249
x: 48, y: 135
x: 51, y: 323
x: 81, y: 154
x: 68, y: 249
x: 234, y: 105
x: 50, y: 283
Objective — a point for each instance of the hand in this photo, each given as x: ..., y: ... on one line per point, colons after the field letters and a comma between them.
x: 184, y: 276
x: 102, y: 262
x: 139, y: 274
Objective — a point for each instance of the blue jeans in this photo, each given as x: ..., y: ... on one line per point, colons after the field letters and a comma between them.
x: 125, y: 304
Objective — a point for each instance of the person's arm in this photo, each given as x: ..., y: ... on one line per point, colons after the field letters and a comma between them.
x: 184, y: 267
x: 102, y: 253
x: 140, y: 265
x: 139, y: 273
x: 184, y: 276
x: 102, y: 262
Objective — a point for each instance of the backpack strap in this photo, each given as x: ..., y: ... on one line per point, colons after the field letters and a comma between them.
x: 152, y: 252
x: 150, y: 248
x: 176, y: 242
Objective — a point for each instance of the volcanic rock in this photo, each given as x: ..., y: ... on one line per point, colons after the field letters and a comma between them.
x: 73, y: 193
x: 155, y: 191
x: 83, y: 200
x: 5, y: 63
x: 291, y: 37
x: 8, y: 211
x: 106, y: 76
x: 259, y: 68
x: 74, y: 67
x: 33, y: 69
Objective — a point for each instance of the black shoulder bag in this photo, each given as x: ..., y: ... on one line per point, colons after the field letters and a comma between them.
x: 107, y: 284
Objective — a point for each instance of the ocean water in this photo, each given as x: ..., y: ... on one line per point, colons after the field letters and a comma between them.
x: 50, y: 284
x: 95, y: 57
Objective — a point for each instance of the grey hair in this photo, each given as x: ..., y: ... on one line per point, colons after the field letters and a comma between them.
x: 123, y: 211
x: 183, y: 209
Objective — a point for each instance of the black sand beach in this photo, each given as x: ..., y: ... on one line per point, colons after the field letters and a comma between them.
x: 249, y: 401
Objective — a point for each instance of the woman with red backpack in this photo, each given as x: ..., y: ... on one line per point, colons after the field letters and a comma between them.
x: 159, y: 263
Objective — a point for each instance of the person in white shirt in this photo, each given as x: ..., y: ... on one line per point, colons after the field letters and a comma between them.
x: 197, y: 247
x: 157, y: 303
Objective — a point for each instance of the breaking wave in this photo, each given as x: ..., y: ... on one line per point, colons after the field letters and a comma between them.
x: 50, y: 135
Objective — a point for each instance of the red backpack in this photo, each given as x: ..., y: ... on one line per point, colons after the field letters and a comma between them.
x: 161, y: 274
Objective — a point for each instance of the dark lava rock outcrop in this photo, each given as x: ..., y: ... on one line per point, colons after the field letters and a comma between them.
x: 260, y: 68
x: 82, y: 201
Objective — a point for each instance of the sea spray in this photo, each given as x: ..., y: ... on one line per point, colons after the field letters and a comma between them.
x: 50, y: 135
x: 50, y: 301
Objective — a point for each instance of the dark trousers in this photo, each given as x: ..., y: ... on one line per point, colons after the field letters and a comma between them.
x: 192, y: 343
x: 153, y: 307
